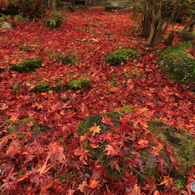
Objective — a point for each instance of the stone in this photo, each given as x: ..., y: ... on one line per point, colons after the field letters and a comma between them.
x: 117, y: 4
x: 188, y: 36
x: 6, y: 25
x: 181, y: 142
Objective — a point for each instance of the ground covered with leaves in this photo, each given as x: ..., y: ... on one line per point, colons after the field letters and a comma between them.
x: 56, y: 162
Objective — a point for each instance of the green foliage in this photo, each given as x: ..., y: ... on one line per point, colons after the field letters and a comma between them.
x: 54, y: 20
x: 79, y: 83
x: 114, y: 82
x: 25, y: 8
x: 119, y: 56
x: 64, y: 58
x: 30, y: 64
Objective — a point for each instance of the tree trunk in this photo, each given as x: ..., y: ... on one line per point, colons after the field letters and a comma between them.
x: 190, y: 25
x: 150, y: 39
x: 169, y: 40
x: 53, y: 7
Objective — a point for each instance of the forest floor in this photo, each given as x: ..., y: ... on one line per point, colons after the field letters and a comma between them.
x: 87, y: 36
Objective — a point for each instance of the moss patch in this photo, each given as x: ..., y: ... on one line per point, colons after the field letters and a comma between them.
x: 64, y: 58
x: 42, y: 86
x: 80, y: 83
x: 86, y: 124
x: 15, y: 128
x: 30, y: 64
x: 179, y: 64
x: 119, y: 56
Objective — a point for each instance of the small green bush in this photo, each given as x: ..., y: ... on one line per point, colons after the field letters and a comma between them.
x: 76, y: 84
x: 117, y: 57
x: 30, y: 64
x: 54, y: 21
x: 64, y: 58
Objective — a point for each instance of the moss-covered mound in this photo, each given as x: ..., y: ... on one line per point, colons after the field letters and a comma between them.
x: 179, y: 63
x: 119, y: 56
x: 42, y: 86
x: 64, y: 58
x: 31, y: 64
x: 162, y: 152
x: 79, y: 83
x: 28, y: 125
x: 89, y: 122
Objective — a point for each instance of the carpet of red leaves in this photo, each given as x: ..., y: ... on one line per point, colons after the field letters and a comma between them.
x: 56, y: 163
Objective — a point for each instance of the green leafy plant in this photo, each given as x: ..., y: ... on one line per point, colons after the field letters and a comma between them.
x: 54, y: 20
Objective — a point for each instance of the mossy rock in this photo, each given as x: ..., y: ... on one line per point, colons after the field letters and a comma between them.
x: 188, y: 36
x: 80, y: 83
x: 64, y: 58
x: 89, y: 122
x: 119, y: 56
x: 31, y: 64
x: 36, y: 128
x: 179, y: 64
x: 183, y: 146
x: 182, y: 142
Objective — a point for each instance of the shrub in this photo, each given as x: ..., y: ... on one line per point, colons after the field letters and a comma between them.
x: 26, y: 8
x: 54, y: 21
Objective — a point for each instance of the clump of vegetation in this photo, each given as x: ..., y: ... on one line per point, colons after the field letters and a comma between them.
x: 42, y: 86
x: 79, y: 83
x: 179, y: 64
x: 64, y: 58
x: 31, y: 64
x: 54, y: 20
x: 120, y: 55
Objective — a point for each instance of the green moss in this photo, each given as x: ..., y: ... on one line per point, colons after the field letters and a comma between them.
x: 127, y: 109
x: 179, y: 64
x: 114, y: 82
x: 59, y: 86
x: 80, y: 83
x: 42, y: 86
x: 80, y: 29
x: 36, y: 128
x: 64, y: 58
x: 135, y: 69
x: 86, y: 124
x: 30, y: 64
x: 183, y: 148
x: 16, y: 88
x: 119, y: 56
